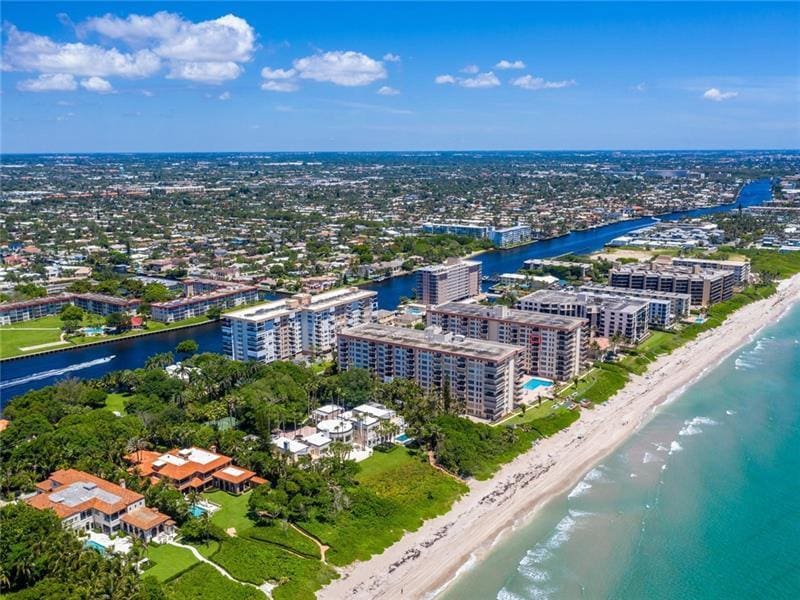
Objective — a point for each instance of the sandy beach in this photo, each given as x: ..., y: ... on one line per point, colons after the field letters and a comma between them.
x: 424, y: 562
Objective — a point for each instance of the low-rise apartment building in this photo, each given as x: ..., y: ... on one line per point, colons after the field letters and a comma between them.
x: 555, y: 346
x: 100, y: 304
x: 483, y: 377
x: 84, y: 502
x: 453, y: 280
x: 302, y: 324
x: 17, y: 312
x: 199, y: 304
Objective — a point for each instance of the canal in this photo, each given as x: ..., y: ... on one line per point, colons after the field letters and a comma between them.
x: 25, y: 374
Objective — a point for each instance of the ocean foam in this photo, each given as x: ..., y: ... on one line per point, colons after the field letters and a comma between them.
x: 580, y: 489
x: 675, y: 447
x: 730, y: 412
x: 690, y: 430
x: 634, y: 475
x: 648, y: 458
x: 595, y: 474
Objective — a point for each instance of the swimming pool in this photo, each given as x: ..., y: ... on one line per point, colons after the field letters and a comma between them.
x: 537, y: 382
x: 93, y: 330
x: 402, y: 439
x: 196, y: 510
x: 95, y: 546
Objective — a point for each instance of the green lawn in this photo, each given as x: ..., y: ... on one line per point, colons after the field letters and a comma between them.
x: 233, y: 512
x: 534, y: 411
x: 281, y: 534
x: 168, y: 561
x: 204, y: 582
x: 397, y: 492
x: 48, y: 329
x: 116, y: 402
x: 257, y: 562
x: 29, y: 333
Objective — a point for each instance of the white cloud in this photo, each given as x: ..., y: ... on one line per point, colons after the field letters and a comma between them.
x: 339, y: 67
x: 388, y: 91
x: 471, y: 69
x: 228, y: 38
x: 640, y: 87
x: 205, y: 72
x: 210, y: 51
x: 279, y: 86
x: 224, y: 96
x: 482, y: 80
x: 97, y: 85
x: 529, y: 82
x: 25, y: 51
x: 57, y: 82
x: 509, y: 64
x: 268, y: 73
x: 717, y: 95
x: 389, y: 57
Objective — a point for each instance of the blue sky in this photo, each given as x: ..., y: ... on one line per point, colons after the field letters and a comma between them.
x: 152, y: 76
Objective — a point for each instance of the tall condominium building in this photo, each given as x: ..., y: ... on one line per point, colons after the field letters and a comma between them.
x: 704, y: 286
x: 659, y: 315
x: 484, y: 376
x: 456, y: 279
x: 607, y: 316
x: 739, y: 268
x: 555, y: 346
x: 302, y: 324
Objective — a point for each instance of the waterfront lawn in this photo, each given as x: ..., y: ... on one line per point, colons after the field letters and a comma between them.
x: 396, y: 492
x: 559, y: 419
x: 233, y: 511
x: 283, y: 535
x: 532, y: 412
x: 150, y: 327
x: 608, y: 380
x: 257, y: 562
x: 46, y: 330
x: 116, y: 402
x: 168, y: 561
x: 204, y: 582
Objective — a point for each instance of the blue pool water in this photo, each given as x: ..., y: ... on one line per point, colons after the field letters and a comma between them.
x: 95, y: 546
x: 536, y: 382
x: 93, y: 330
x: 197, y: 511
x: 402, y: 438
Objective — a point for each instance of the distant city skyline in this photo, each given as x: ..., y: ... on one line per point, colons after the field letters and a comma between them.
x: 205, y: 77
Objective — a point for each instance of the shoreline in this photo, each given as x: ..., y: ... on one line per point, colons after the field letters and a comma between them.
x: 425, y: 562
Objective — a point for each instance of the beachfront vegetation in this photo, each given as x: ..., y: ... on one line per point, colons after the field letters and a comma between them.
x: 393, y: 492
x: 204, y: 582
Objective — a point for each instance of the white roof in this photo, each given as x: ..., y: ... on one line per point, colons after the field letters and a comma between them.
x: 317, y: 439
x: 335, y: 426
x: 380, y: 412
x: 328, y: 409
x: 293, y: 446
x: 233, y: 471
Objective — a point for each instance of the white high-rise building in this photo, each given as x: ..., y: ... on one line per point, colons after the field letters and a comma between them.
x: 484, y: 377
x: 302, y: 324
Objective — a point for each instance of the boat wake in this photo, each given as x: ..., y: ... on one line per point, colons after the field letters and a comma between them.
x: 55, y: 372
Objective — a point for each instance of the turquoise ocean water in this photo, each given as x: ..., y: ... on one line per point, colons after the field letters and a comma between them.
x: 703, y: 502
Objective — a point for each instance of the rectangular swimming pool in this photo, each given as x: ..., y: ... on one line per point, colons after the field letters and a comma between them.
x: 537, y: 382
x: 196, y: 510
